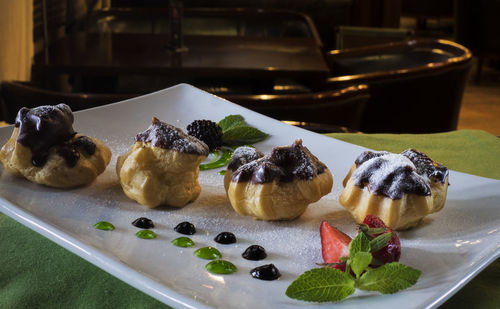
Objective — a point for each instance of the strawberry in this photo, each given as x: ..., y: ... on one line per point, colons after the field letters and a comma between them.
x: 334, y: 244
x: 391, y: 252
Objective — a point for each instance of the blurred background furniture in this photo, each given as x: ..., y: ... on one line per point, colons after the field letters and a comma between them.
x: 326, y: 14
x: 351, y: 36
x: 415, y: 86
x: 15, y: 95
x: 342, y: 107
x: 288, y: 48
x: 423, y: 10
x: 477, y: 26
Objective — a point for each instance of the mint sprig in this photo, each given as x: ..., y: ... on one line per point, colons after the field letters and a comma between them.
x: 389, y: 278
x: 332, y: 285
x: 321, y: 285
x: 235, y: 132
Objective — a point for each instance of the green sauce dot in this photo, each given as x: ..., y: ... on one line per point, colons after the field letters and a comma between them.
x: 103, y: 225
x: 208, y: 253
x: 146, y: 234
x: 221, y: 267
x: 183, y: 242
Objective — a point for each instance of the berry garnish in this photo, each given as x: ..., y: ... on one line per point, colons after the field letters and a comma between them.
x: 389, y: 253
x: 207, y: 131
x: 334, y: 245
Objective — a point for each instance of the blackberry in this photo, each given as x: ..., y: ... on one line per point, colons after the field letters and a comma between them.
x: 207, y: 131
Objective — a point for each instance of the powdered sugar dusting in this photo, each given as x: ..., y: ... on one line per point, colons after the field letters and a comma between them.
x: 243, y: 155
x: 166, y: 136
x: 391, y: 175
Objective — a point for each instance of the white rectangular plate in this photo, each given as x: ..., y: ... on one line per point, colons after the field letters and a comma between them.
x: 450, y: 247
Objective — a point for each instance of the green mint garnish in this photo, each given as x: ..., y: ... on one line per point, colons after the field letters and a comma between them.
x: 104, y: 225
x: 359, y: 262
x: 183, y: 242
x: 321, y: 285
x: 223, y: 172
x: 221, y: 267
x: 146, y: 234
x: 243, y: 135
x: 330, y: 284
x: 360, y: 243
x: 389, y: 278
x: 235, y: 132
x: 371, y: 230
x: 231, y: 121
x: 380, y: 241
x: 221, y: 159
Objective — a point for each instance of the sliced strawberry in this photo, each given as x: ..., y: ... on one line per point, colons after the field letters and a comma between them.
x: 334, y: 243
x: 391, y: 252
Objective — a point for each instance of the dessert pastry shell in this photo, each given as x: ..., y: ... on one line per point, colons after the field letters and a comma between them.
x: 398, y: 214
x: 17, y: 159
x: 277, y: 200
x: 154, y: 176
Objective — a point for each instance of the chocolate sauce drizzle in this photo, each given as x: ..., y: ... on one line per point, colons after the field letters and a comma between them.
x: 43, y: 127
x: 284, y: 163
x: 393, y: 175
x: 166, y: 136
x: 427, y: 166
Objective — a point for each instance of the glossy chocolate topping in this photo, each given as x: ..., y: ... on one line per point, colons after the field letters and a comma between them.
x: 243, y: 155
x: 43, y: 127
x: 166, y: 136
x: 393, y: 175
x: 283, y: 163
x: 426, y: 166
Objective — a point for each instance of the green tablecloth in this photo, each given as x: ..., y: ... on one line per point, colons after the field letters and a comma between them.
x: 36, y: 273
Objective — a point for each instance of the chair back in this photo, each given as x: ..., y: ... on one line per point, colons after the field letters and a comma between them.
x: 415, y: 86
x: 16, y: 95
x: 342, y: 107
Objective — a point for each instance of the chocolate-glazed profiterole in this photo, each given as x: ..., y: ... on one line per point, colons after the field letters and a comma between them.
x: 401, y: 189
x: 45, y: 149
x: 278, y: 186
x: 241, y: 156
x: 162, y: 166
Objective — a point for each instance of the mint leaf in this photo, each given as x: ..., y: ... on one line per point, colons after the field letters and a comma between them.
x: 321, y: 285
x: 360, y: 243
x: 231, y: 121
x: 371, y: 231
x: 360, y: 261
x: 389, y: 278
x: 241, y: 135
x: 380, y: 241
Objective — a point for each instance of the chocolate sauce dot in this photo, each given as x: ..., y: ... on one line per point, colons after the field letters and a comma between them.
x: 225, y: 238
x: 185, y: 228
x: 254, y: 253
x: 143, y: 223
x: 266, y: 272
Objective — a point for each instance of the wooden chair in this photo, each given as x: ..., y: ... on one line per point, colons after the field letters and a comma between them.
x: 415, y: 86
x: 342, y: 107
x: 16, y: 95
